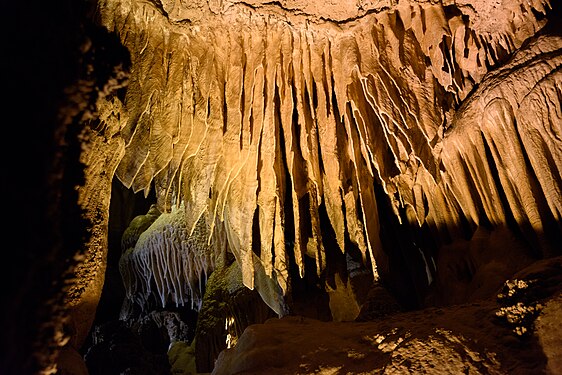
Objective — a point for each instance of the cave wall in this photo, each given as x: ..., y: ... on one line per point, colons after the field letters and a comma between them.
x: 55, y: 70
x: 45, y: 223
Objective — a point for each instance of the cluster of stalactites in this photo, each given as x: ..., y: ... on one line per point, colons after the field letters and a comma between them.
x: 258, y: 122
x: 168, y: 262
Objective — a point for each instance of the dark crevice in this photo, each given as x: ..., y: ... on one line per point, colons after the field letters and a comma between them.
x: 256, y: 237
x: 320, y: 160
x: 224, y: 111
x: 295, y: 128
x: 251, y: 124
x: 314, y: 97
x: 242, y: 99
x: 475, y: 197
x: 407, y: 279
x: 335, y: 258
x: 448, y: 60
x: 124, y: 206
x: 305, y: 223
x: 511, y: 223
x: 287, y: 203
x: 467, y: 227
x: 325, y: 83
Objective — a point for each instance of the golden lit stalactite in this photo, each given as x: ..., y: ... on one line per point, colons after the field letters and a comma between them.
x: 330, y: 107
x: 495, y: 123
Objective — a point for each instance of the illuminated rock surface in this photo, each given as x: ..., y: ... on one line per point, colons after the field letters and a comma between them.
x: 171, y: 259
x: 470, y: 338
x: 394, y: 161
x: 250, y: 113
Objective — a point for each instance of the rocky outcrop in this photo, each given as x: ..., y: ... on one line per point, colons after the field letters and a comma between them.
x: 62, y: 71
x: 103, y: 154
x: 228, y: 308
x: 167, y: 263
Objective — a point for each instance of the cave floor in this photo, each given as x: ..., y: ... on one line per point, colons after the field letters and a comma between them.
x: 516, y: 333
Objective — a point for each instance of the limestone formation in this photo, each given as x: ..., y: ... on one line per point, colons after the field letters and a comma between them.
x: 422, y: 138
x: 228, y: 308
x: 269, y: 113
x: 294, y: 131
x: 167, y: 263
x: 136, y: 227
x: 456, y: 339
x: 101, y: 156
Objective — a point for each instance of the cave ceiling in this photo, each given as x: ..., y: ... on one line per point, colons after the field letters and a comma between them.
x: 275, y: 112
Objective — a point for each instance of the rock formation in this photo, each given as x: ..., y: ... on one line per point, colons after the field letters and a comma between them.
x: 166, y: 262
x: 405, y: 147
x: 261, y: 116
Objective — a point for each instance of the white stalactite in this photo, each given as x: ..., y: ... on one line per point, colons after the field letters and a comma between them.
x: 169, y: 262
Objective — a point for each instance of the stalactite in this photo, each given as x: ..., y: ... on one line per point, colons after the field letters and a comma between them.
x: 401, y: 96
x: 168, y: 262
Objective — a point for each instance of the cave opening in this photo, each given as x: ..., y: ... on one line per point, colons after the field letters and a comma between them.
x: 124, y: 206
x: 411, y: 265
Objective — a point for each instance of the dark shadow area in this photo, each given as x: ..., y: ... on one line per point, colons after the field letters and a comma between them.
x: 51, y: 82
x: 124, y: 206
x: 411, y: 269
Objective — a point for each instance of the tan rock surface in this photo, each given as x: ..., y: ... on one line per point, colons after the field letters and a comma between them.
x: 232, y: 106
x: 258, y: 116
x: 101, y: 155
x: 469, y: 338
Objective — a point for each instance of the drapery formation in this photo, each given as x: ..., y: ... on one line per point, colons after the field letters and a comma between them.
x: 259, y: 122
x: 168, y: 262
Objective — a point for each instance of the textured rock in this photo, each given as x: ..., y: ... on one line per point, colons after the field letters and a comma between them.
x: 182, y: 359
x: 296, y: 109
x: 292, y: 108
x: 348, y: 295
x: 167, y: 262
x: 228, y: 308
x: 469, y: 338
x: 548, y: 331
x: 136, y: 227
x: 101, y: 158
x: 259, y: 117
